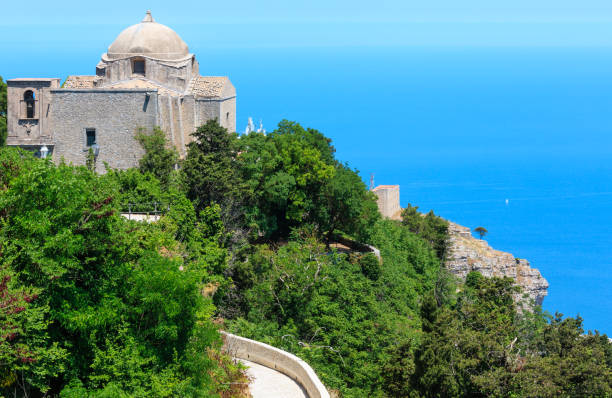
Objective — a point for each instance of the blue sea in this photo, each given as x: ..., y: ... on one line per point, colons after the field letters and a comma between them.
x: 517, y: 140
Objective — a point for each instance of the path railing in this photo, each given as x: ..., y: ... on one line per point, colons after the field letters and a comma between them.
x: 149, y: 212
x: 274, y: 358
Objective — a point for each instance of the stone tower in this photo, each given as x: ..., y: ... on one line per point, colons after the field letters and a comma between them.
x: 389, y: 201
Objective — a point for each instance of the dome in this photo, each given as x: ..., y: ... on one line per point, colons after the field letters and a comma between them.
x: 149, y: 39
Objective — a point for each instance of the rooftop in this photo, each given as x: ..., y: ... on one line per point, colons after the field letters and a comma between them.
x: 149, y: 39
x: 208, y: 86
x: 380, y: 187
x: 80, y: 81
x: 37, y: 79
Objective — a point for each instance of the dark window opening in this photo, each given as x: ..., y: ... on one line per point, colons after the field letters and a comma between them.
x: 30, y: 102
x: 138, y: 67
x: 91, y: 136
x: 227, y: 115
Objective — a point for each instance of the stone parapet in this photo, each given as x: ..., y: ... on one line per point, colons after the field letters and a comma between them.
x: 141, y: 217
x: 277, y: 359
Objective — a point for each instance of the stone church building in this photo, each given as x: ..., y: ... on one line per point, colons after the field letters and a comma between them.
x: 147, y: 78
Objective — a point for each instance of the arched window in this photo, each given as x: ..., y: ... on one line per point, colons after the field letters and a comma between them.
x: 29, y: 99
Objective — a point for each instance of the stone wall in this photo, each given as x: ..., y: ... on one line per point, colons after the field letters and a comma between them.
x: 466, y: 253
x: 36, y: 131
x: 115, y: 114
x: 207, y: 109
x: 280, y: 360
x: 188, y: 120
x: 389, y: 201
x: 175, y: 75
x: 227, y: 116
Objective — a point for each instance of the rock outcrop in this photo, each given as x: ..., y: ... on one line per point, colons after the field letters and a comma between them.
x: 465, y: 254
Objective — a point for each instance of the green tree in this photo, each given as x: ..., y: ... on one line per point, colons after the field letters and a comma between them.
x: 28, y: 359
x: 481, y: 345
x: 469, y: 340
x: 342, y: 314
x: 210, y: 174
x: 295, y: 180
x: 481, y: 231
x: 160, y: 158
x: 370, y: 266
x: 3, y: 110
x: 568, y: 363
x: 140, y: 192
x: 90, y: 161
x: 349, y: 206
x: 286, y: 171
x: 14, y: 162
x: 430, y: 227
x: 122, y: 300
x: 271, y: 184
x: 398, y: 370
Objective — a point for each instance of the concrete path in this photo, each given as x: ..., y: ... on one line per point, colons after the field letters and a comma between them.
x: 269, y: 383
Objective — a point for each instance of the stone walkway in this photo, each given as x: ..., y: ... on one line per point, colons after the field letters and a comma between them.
x: 269, y: 383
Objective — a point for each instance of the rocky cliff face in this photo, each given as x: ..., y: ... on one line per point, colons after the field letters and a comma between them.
x: 466, y: 253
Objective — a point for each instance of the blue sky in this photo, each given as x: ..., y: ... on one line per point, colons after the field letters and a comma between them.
x: 270, y: 23
x: 245, y: 11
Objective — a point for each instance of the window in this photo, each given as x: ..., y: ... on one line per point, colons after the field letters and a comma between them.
x: 138, y: 67
x: 101, y: 71
x: 90, y: 135
x: 30, y: 103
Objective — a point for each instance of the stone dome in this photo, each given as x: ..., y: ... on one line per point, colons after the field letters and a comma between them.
x: 149, y: 39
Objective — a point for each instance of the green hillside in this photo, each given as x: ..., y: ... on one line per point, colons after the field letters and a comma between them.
x: 93, y: 304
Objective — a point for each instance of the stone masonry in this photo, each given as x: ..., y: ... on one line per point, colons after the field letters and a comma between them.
x: 389, y: 201
x: 147, y: 78
x: 113, y: 113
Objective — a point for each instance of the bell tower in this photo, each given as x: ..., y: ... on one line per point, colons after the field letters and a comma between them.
x: 29, y: 102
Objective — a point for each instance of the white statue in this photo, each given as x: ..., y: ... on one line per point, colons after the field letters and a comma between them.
x: 250, y: 126
x: 261, y: 128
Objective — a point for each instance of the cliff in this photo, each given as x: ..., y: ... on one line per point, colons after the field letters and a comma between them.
x: 466, y: 253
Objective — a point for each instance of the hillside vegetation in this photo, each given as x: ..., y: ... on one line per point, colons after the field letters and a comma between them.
x: 92, y: 304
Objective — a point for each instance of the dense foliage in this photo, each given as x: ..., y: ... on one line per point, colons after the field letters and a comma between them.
x: 342, y: 313
x: 92, y: 304
x: 160, y: 159
x: 271, y: 184
x: 430, y: 227
x: 481, y: 345
x: 294, y: 180
x: 96, y: 304
x: 209, y: 172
